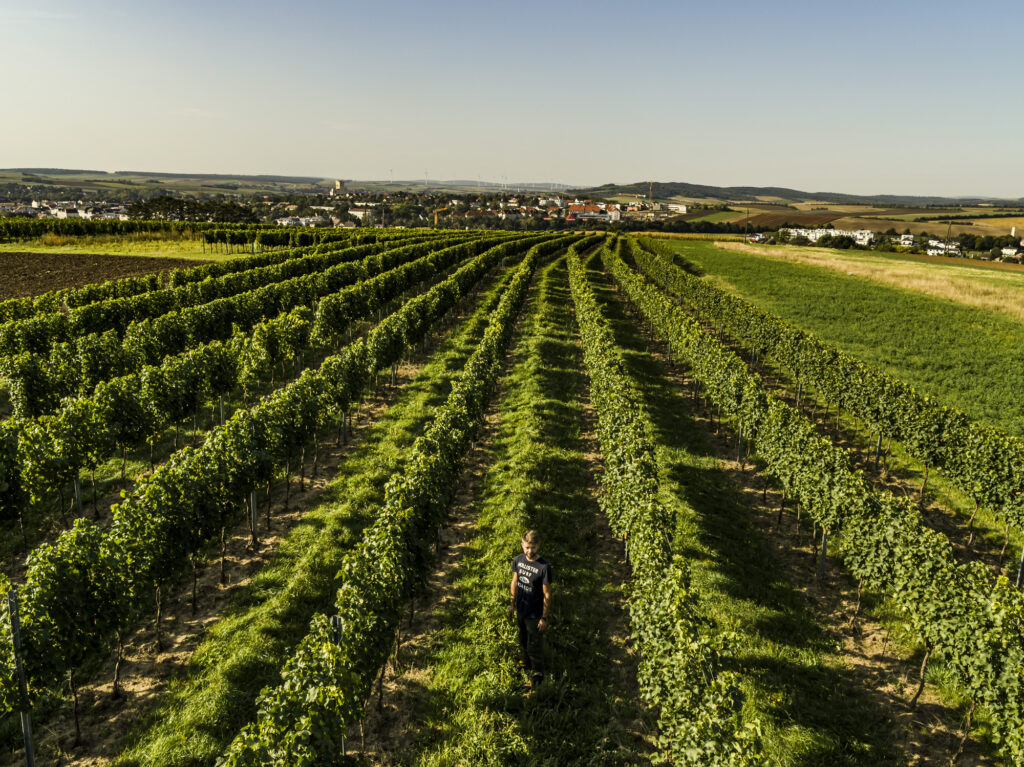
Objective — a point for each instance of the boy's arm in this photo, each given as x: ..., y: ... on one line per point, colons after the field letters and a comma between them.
x: 547, y: 606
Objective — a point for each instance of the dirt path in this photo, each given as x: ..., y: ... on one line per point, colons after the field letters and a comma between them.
x: 875, y: 666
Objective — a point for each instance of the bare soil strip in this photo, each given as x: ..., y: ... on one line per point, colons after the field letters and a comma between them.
x: 31, y: 274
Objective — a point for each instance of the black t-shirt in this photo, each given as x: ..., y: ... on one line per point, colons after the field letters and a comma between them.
x: 529, y: 590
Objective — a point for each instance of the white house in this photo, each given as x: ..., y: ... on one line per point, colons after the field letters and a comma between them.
x: 861, y: 236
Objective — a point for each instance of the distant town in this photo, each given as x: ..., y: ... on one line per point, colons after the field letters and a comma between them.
x: 344, y: 208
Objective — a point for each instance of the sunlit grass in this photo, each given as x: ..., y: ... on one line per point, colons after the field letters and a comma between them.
x: 996, y: 290
x: 966, y: 356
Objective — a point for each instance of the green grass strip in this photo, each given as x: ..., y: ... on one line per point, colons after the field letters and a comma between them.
x: 473, y: 710
x: 966, y: 356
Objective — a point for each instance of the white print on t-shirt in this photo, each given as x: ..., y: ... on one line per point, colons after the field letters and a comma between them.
x: 524, y: 580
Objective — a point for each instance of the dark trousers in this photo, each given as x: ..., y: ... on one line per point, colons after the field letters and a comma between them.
x: 531, y: 644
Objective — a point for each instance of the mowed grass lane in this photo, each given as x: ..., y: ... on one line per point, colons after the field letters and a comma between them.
x: 472, y: 710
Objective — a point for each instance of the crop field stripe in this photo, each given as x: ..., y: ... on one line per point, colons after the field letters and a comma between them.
x: 811, y: 707
x: 970, y: 620
x: 683, y: 672
x: 89, y: 572
x: 326, y: 681
x: 245, y: 650
x: 985, y: 464
x: 50, y: 437
x: 471, y: 709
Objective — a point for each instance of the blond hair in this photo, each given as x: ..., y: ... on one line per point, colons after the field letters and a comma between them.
x: 531, y: 537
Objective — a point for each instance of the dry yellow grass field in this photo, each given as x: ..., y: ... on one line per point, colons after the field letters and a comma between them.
x: 982, y: 226
x: 992, y: 289
x: 702, y: 236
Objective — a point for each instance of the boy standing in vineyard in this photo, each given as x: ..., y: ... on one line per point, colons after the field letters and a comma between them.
x: 531, y: 598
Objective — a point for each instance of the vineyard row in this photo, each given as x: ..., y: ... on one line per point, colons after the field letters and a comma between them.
x: 960, y: 614
x: 681, y: 671
x: 81, y: 594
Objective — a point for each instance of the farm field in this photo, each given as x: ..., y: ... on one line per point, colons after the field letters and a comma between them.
x: 988, y: 285
x: 264, y: 512
x: 24, y: 273
x: 963, y: 354
x: 997, y: 227
x: 721, y: 216
x: 793, y: 218
x: 814, y: 206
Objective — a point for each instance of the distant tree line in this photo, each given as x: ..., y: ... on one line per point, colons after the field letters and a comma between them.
x: 16, y: 228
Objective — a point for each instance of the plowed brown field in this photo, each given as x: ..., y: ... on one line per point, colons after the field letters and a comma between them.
x: 29, y: 274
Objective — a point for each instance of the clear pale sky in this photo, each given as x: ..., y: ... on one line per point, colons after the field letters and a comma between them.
x: 868, y: 97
